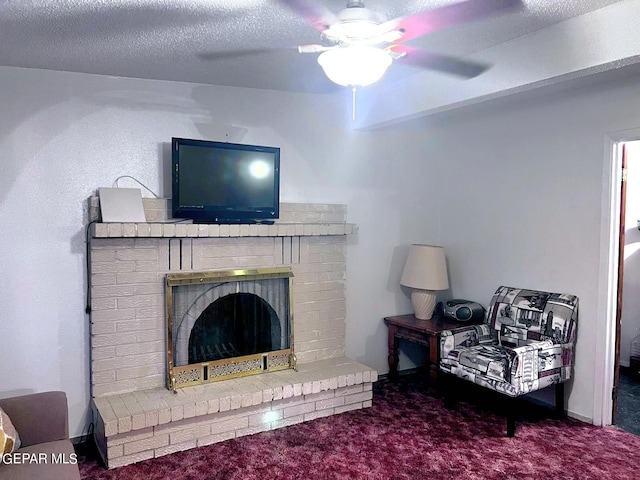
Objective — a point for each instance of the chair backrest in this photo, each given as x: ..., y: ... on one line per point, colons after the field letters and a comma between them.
x: 521, y: 316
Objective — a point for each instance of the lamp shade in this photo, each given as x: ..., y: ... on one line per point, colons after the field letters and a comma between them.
x: 355, y: 66
x: 426, y: 268
x: 425, y: 271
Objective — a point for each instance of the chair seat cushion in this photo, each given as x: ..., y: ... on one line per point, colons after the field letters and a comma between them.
x: 492, y: 361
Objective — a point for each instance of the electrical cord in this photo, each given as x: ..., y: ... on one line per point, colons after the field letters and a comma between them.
x: 88, y: 265
x: 115, y: 184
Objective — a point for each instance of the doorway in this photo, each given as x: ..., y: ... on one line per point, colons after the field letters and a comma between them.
x: 626, y: 399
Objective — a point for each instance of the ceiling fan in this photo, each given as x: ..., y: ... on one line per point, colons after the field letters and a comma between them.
x: 360, y: 44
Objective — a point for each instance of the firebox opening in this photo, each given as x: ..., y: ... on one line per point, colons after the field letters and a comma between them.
x: 234, y: 325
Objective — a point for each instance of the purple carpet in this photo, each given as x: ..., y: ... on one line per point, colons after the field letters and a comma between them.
x: 407, y: 434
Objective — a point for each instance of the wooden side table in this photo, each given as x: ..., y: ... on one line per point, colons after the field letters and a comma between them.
x: 423, y: 332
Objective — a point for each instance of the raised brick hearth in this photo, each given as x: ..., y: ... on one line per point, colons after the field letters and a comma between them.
x: 136, y: 416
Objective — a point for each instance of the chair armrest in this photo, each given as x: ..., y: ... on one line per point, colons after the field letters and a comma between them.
x: 38, y: 417
x: 466, y: 336
x: 553, y: 358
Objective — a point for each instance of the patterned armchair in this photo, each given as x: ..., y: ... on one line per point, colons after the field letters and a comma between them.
x: 525, y: 344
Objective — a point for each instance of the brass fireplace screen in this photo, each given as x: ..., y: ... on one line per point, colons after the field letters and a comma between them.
x: 225, y: 324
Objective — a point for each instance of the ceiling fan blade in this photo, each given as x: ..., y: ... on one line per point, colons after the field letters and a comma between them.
x: 441, y: 63
x: 224, y: 54
x: 433, y: 20
x: 317, y: 15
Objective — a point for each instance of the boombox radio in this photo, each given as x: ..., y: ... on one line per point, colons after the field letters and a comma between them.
x: 460, y: 310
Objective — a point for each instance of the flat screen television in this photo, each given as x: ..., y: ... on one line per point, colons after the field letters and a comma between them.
x: 219, y: 182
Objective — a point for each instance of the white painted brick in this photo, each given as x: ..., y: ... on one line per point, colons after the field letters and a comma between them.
x: 150, y: 443
x: 367, y: 404
x: 112, y: 339
x: 318, y: 414
x: 115, y: 451
x: 143, y: 229
x: 168, y: 230
x: 297, y: 389
x: 263, y: 418
x: 289, y: 402
x: 132, y: 254
x: 277, y: 393
x: 181, y: 230
x: 103, y: 279
x: 233, y: 423
x: 202, y: 408
x: 136, y: 277
x: 151, y: 419
x: 236, y: 401
x: 100, y: 291
x: 101, y: 230
x: 358, y: 397
x: 140, y: 348
x: 138, y: 421
x: 219, y: 437
x: 127, y: 361
x: 225, y: 404
x: 141, y: 371
x: 103, y: 303
x: 110, y: 427
x: 267, y: 395
x: 177, y: 413
x: 350, y: 390
x: 101, y: 353
x: 299, y: 409
x: 114, y: 229
x: 135, y: 325
x: 287, y: 391
x: 164, y: 416
x: 348, y: 408
x: 189, y: 410
x: 103, y: 377
x: 121, y: 439
x: 124, y: 425
x: 191, y: 433
x: 129, y: 459
x: 330, y: 403
x: 173, y: 448
x: 156, y: 230
x: 316, y: 397
x: 112, y: 315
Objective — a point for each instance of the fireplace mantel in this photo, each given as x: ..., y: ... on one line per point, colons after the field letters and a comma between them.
x: 296, y: 220
x: 190, y: 230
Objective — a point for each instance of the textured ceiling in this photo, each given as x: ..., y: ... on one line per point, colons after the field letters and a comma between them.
x: 215, y: 41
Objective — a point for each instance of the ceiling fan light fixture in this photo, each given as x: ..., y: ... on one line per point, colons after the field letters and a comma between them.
x: 355, y: 66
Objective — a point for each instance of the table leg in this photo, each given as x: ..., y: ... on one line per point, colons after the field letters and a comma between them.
x: 393, y: 341
x: 434, y: 360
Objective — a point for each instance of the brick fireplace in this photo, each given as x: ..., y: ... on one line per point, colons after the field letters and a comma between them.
x: 136, y: 417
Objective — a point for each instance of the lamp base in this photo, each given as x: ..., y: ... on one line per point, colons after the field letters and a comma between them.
x: 423, y: 301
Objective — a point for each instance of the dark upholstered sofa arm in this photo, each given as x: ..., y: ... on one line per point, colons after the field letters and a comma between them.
x: 38, y: 417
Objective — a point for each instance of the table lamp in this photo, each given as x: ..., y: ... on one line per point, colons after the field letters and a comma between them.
x: 425, y: 272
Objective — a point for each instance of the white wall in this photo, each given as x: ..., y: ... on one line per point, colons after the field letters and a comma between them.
x: 63, y: 135
x: 521, y: 181
x: 630, y: 327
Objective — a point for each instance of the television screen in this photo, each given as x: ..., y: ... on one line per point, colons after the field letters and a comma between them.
x: 218, y: 182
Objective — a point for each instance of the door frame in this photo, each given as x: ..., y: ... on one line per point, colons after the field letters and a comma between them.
x: 607, y: 301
